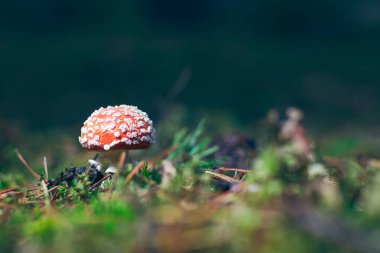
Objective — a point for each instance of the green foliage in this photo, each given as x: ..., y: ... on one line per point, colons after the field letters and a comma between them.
x: 190, y: 147
x: 9, y: 180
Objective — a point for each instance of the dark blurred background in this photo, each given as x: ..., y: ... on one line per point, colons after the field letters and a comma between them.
x: 60, y: 60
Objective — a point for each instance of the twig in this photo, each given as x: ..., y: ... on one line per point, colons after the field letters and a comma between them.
x: 54, y: 195
x: 223, y: 177
x: 34, y: 202
x: 32, y: 188
x: 22, y: 160
x: 161, y: 156
x: 176, y: 89
x: 97, y: 183
x: 134, y: 171
x: 232, y: 169
x: 46, y: 169
x: 50, y: 190
x: 8, y: 190
x: 179, y: 85
x: 122, y: 158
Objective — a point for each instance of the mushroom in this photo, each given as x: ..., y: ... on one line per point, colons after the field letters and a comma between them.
x: 121, y: 127
x: 94, y: 164
x: 111, y: 170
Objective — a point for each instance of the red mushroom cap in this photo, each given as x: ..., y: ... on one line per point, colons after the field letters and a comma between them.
x: 117, y: 127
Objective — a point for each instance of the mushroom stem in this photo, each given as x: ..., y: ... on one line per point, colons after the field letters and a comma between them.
x: 120, y: 166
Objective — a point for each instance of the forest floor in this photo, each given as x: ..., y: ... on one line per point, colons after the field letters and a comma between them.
x: 277, y: 190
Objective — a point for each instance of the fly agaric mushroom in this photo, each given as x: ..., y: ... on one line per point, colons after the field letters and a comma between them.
x: 117, y: 127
